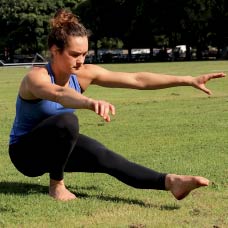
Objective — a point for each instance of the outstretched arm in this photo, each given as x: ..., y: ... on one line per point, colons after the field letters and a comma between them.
x: 147, y: 80
x: 158, y: 81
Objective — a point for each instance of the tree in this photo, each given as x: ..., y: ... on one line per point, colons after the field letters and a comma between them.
x: 25, y: 23
x: 110, y: 19
x: 131, y: 23
x: 219, y: 19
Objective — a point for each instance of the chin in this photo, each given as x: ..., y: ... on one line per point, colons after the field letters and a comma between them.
x: 76, y: 67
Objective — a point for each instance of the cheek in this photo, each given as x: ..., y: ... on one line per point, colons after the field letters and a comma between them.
x: 68, y: 60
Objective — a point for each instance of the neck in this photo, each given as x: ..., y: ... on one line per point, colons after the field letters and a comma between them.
x: 61, y: 77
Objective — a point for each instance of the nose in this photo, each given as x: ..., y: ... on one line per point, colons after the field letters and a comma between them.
x: 80, y: 59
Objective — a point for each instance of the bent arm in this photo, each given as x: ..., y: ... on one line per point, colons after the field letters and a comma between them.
x: 40, y: 87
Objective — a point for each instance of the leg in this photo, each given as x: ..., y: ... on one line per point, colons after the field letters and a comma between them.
x: 46, y: 149
x: 91, y: 156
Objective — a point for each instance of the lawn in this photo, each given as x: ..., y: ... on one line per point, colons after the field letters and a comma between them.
x: 176, y: 130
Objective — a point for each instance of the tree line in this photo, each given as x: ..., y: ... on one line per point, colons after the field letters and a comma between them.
x: 24, y: 24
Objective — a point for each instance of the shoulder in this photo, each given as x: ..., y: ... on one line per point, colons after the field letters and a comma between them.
x: 37, y: 73
x: 88, y: 74
x: 35, y: 76
x: 96, y: 68
x: 35, y: 80
x: 91, y: 71
x: 37, y: 70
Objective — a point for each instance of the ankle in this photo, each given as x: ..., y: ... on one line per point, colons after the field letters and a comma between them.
x: 56, y: 183
x: 169, y: 181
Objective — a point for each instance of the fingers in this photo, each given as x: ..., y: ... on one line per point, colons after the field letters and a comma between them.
x: 215, y: 75
x: 206, y: 90
x: 219, y: 75
x: 203, y: 79
x: 112, y: 109
x: 103, y: 108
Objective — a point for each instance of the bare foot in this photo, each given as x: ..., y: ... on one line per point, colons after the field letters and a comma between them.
x: 181, y: 185
x: 58, y: 191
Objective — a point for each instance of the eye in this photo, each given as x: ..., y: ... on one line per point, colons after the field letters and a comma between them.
x: 75, y: 55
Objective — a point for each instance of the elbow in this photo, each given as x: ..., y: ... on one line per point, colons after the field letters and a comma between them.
x: 140, y: 83
x: 57, y: 96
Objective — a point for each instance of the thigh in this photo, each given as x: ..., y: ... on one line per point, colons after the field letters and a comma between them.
x: 86, y: 156
x: 50, y: 135
x: 37, y: 150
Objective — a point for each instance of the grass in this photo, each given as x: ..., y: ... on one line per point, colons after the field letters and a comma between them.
x: 178, y: 130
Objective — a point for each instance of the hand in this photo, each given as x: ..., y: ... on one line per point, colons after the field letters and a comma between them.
x: 102, y: 108
x: 200, y: 81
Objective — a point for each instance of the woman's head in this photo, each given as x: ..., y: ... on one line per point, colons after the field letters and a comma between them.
x: 64, y: 25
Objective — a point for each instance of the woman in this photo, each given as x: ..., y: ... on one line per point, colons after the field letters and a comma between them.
x: 45, y: 135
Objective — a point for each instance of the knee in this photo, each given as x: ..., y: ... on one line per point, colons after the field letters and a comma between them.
x: 68, y: 125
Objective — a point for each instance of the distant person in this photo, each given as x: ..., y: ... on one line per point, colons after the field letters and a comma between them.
x: 45, y: 135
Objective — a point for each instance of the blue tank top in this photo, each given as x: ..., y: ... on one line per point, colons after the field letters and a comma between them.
x: 29, y: 113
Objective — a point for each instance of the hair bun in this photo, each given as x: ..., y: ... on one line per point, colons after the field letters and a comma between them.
x: 63, y: 17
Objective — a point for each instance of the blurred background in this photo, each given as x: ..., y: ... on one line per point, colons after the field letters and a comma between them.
x: 121, y: 30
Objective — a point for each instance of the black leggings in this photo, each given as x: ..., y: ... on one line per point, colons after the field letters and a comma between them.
x: 55, y: 146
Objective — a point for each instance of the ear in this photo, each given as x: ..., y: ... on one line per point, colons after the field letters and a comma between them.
x: 54, y: 50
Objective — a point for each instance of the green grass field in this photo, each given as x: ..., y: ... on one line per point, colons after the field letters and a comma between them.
x: 177, y: 130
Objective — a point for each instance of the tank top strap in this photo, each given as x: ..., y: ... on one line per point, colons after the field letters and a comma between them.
x: 50, y: 72
x: 75, y: 82
x: 73, y: 78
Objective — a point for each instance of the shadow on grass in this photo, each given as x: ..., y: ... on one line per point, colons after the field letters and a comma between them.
x: 141, y: 203
x: 21, y: 188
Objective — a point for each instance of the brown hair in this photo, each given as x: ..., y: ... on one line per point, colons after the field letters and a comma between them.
x: 64, y: 24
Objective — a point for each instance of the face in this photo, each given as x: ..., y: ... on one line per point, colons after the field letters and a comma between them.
x: 73, y: 56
